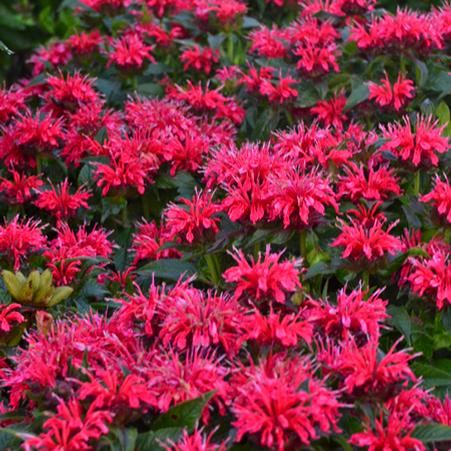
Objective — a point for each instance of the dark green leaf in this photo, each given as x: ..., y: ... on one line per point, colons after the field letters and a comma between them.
x: 184, y: 415
x: 430, y: 433
x: 170, y: 269
x: 154, y: 440
x: 358, y: 95
x: 401, y: 320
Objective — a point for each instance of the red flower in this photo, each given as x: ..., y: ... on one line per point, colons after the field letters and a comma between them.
x: 440, y: 197
x: 369, y: 242
x: 178, y: 377
x: 371, y: 184
x: 269, y: 43
x: 71, y: 428
x: 440, y: 411
x: 130, y: 52
x: 19, y: 238
x: 281, y: 92
x: 199, y: 59
x: 385, y: 95
x: 420, y: 145
x: 20, y: 189
x: 265, y: 278
x: 300, y: 198
x: 331, y: 112
x: 85, y: 43
x: 67, y: 93
x: 354, y: 314
x: 57, y: 55
x: 11, y: 103
x: 280, y: 399
x: 431, y: 277
x: 195, y: 220
x: 58, y: 200
x: 277, y: 328
x: 147, y: 242
x: 365, y: 370
x: 194, y: 319
x: 8, y: 316
x: 111, y: 389
x: 197, y: 441
x: 394, y: 436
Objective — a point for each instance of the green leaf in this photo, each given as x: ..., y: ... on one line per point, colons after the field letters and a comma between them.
x: 429, y: 433
x: 126, y: 437
x: 185, y: 184
x: 442, y: 112
x: 358, y: 95
x: 153, y: 440
x: 170, y: 269
x: 401, y: 320
x: 421, y: 73
x: 184, y: 415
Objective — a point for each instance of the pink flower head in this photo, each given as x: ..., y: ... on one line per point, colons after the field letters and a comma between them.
x: 277, y: 328
x: 197, y: 441
x: 280, y: 399
x: 20, y: 189
x: 85, y: 43
x: 418, y: 144
x: 367, y: 243
x: 19, y: 238
x: 370, y: 183
x: 354, y: 314
x: 130, y: 52
x: 194, y: 319
x: 195, y: 220
x: 71, y: 427
x: 280, y: 92
x: 299, y: 199
x: 331, y: 112
x: 394, y: 434
x: 397, y: 96
x: 199, y: 59
x: 440, y: 197
x: 60, y: 202
x: 264, y: 278
x: 365, y: 371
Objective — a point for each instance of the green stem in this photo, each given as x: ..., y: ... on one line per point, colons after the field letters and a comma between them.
x: 124, y: 216
x: 230, y: 49
x: 366, y: 280
x: 303, y: 243
x: 212, y: 268
x: 417, y: 183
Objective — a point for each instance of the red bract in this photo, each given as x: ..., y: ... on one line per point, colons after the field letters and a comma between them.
x: 265, y: 278
x: 440, y: 197
x: 418, y: 144
x: 355, y: 314
x: 280, y: 398
x: 60, y: 202
x: 20, y: 237
x: 393, y: 434
x: 10, y: 317
x: 71, y: 428
x: 196, y: 222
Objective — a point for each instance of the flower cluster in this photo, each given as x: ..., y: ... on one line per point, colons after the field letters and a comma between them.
x: 226, y: 225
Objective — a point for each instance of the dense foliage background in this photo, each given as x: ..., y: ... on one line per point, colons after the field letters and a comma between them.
x: 226, y: 225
